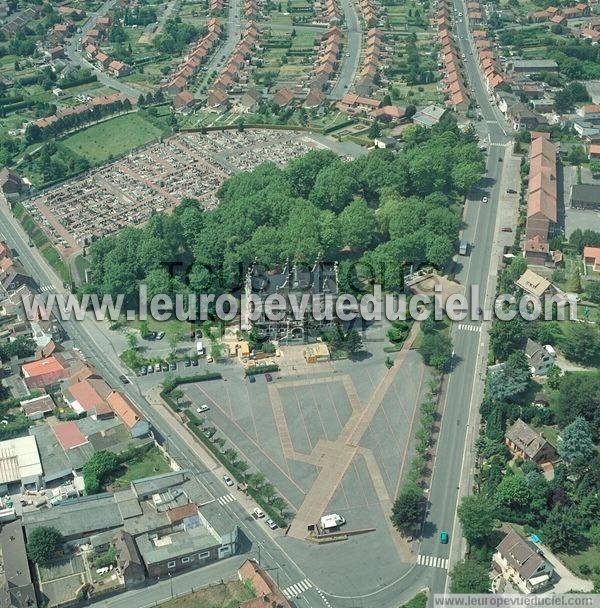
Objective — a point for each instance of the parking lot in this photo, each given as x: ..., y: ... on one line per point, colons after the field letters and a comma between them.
x: 331, y: 437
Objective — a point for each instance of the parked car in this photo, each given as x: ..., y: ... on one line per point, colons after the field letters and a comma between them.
x: 151, y: 335
x: 157, y: 367
x: 160, y: 335
x: 271, y: 524
x: 202, y: 408
x: 194, y: 362
x: 172, y: 366
x: 268, y: 377
x: 150, y: 369
x: 164, y: 367
x: 444, y: 537
x: 251, y: 379
x: 143, y: 370
x: 506, y: 229
x: 511, y: 191
x: 484, y: 199
x: 209, y: 359
x: 186, y: 363
x: 258, y: 513
x: 228, y: 481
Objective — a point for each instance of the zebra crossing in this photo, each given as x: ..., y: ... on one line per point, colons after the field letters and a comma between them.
x: 223, y: 500
x: 322, y: 595
x: 469, y: 327
x: 47, y: 288
x: 433, y: 562
x: 297, y: 589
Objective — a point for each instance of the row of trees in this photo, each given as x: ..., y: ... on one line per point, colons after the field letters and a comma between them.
x: 34, y: 133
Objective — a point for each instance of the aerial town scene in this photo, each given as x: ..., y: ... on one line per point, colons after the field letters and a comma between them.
x: 299, y: 303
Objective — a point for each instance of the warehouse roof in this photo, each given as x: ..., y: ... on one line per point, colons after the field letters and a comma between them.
x: 19, y: 459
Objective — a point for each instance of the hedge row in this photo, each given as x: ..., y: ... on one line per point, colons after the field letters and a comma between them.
x: 340, y: 125
x: 261, y: 369
x: 69, y: 84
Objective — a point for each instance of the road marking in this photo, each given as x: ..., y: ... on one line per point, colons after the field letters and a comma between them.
x: 433, y: 562
x: 297, y: 589
x: 47, y: 288
x: 223, y: 500
x: 468, y: 327
x: 325, y: 600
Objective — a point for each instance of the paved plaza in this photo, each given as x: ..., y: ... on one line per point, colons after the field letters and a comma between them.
x: 331, y: 437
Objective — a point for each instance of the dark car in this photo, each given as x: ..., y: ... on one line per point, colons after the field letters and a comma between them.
x: 151, y: 335
x: 124, y: 379
x: 268, y: 377
x: 251, y: 379
x: 173, y: 366
x: 164, y: 367
x: 186, y: 362
x: 511, y: 191
x: 195, y: 362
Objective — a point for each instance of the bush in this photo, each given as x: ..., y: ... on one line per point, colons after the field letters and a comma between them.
x: 42, y: 544
x: 105, y: 559
x: 261, y: 369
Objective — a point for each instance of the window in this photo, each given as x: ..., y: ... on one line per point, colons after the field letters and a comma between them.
x: 170, y: 564
x: 204, y: 555
x: 186, y: 560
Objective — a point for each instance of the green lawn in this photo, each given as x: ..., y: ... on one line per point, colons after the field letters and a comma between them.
x: 590, y: 557
x: 225, y: 595
x: 151, y: 463
x: 112, y: 138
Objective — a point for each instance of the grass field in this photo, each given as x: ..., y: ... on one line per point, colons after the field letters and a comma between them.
x: 226, y: 595
x: 589, y: 558
x: 111, y: 138
x: 151, y: 463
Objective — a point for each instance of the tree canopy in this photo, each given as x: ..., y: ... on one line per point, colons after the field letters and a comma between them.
x: 388, y: 209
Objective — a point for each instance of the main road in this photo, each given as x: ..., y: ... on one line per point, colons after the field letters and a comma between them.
x: 351, y: 58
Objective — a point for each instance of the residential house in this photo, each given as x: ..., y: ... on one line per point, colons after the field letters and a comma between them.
x: 534, y: 284
x: 128, y: 413
x: 11, y: 183
x: 429, y: 116
x: 522, y: 563
x: 266, y: 590
x: 315, y: 98
x: 541, y: 358
x: 38, y: 407
x: 130, y: 567
x: 250, y: 100
x: 184, y: 102
x: 283, y: 98
x: 43, y: 372
x: 217, y: 100
x: 118, y: 69
x: 591, y: 257
x: 525, y: 442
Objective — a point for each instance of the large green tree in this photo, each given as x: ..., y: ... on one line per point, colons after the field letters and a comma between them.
x: 469, y: 576
x: 408, y: 506
x: 42, y: 544
x: 476, y: 514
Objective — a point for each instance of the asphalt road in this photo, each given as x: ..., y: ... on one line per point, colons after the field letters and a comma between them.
x: 74, y: 52
x: 353, y: 46
x: 454, y: 460
x: 234, y: 35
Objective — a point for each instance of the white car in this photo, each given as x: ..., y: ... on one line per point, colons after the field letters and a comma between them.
x: 271, y: 524
x: 228, y: 481
x: 258, y: 513
x: 202, y: 408
x: 484, y: 199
